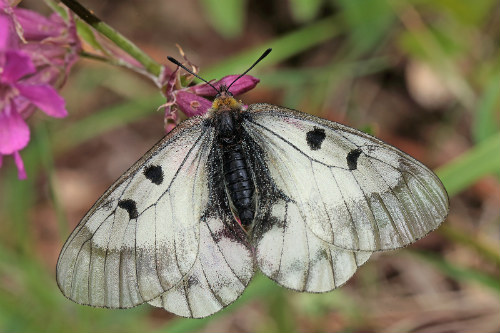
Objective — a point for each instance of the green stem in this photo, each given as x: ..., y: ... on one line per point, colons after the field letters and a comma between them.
x: 121, y: 41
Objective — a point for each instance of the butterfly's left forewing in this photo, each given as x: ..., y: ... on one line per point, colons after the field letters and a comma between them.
x: 352, y: 190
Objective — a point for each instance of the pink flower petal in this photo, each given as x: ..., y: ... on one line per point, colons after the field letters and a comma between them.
x: 191, y: 104
x: 14, y: 132
x: 21, y: 172
x: 244, y: 84
x: 205, y: 89
x: 17, y: 64
x: 5, y: 31
x: 38, y: 27
x: 45, y: 97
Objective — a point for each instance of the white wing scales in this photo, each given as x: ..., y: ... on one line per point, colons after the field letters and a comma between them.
x: 353, y: 190
x: 286, y: 249
x: 290, y: 254
x: 140, y: 239
x: 225, y: 263
x: 222, y: 271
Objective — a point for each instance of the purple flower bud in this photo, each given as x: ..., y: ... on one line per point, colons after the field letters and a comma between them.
x: 244, y: 84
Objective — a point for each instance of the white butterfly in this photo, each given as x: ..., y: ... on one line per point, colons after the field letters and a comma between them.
x: 303, y: 199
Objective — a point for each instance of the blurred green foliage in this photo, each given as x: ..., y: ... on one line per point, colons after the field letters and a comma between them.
x: 457, y: 39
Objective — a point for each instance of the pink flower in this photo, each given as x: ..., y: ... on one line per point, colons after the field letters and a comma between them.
x: 33, y: 53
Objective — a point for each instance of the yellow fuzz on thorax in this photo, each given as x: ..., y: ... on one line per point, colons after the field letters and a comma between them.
x: 225, y: 103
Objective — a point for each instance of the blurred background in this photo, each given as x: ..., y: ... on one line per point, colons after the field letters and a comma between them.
x: 422, y: 75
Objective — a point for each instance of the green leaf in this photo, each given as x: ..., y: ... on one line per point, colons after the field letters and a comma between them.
x: 466, y: 169
x: 283, y: 48
x: 368, y: 22
x: 464, y: 12
x: 226, y: 16
x: 487, y: 118
x: 305, y: 10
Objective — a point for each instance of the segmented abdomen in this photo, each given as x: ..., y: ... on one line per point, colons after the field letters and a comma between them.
x: 239, y: 183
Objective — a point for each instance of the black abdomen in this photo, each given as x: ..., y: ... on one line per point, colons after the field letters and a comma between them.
x: 239, y: 183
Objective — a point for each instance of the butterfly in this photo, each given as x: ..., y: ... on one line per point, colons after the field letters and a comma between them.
x: 302, y: 199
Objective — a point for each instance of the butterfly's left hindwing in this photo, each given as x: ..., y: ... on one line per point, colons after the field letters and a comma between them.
x: 350, y: 189
x: 157, y: 233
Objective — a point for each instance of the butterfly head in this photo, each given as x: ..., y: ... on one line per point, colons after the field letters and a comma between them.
x: 224, y: 100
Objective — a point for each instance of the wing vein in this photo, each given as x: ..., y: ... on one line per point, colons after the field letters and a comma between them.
x: 373, y: 221
x: 216, y: 296
x: 283, y: 240
x: 305, y: 279
x: 322, y: 201
x: 106, y: 256
x: 174, y: 177
x: 293, y: 146
x: 353, y: 228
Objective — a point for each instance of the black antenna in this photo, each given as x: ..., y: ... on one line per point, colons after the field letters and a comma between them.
x: 266, y: 52
x: 191, y: 72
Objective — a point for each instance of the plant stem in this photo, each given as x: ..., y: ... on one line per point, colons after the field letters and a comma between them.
x: 121, y: 41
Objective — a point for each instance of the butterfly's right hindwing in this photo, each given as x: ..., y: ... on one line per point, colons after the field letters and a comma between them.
x: 225, y: 263
x: 141, y: 238
x: 285, y: 248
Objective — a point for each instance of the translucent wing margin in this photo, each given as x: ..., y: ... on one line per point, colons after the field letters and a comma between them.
x: 352, y: 190
x: 141, y: 238
x: 225, y: 263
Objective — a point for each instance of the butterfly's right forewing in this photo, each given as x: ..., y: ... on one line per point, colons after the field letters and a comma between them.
x: 141, y: 238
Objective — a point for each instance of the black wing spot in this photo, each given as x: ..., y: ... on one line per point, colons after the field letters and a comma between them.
x: 154, y: 173
x: 352, y: 158
x: 315, y: 138
x: 130, y: 206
